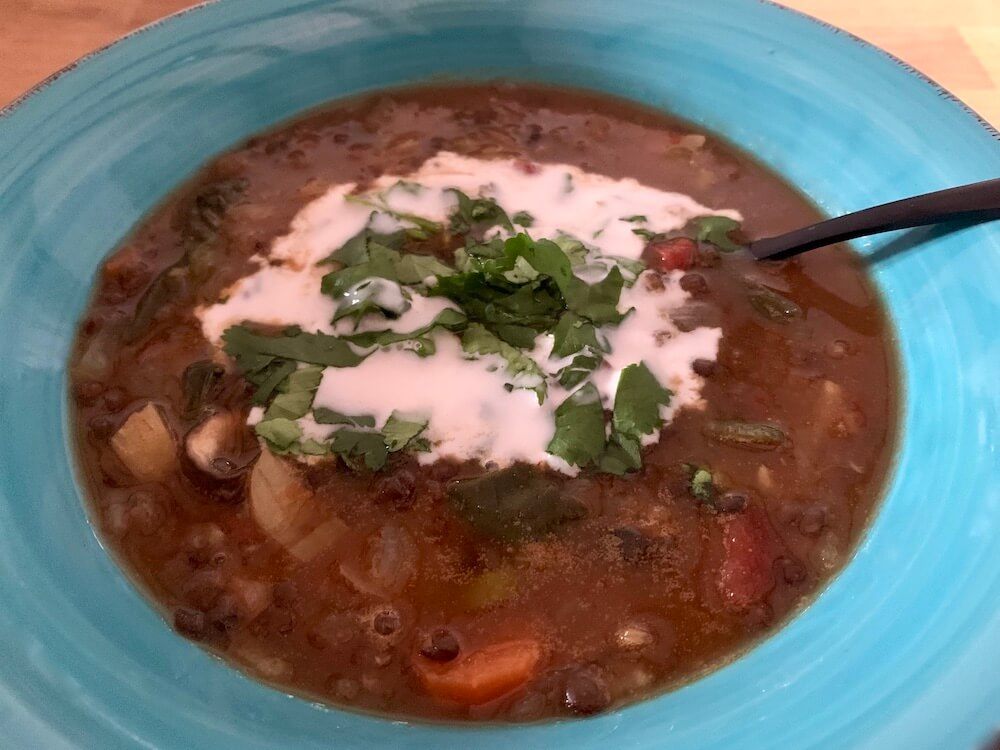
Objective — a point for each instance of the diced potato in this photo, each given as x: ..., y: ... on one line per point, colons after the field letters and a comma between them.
x: 254, y: 596
x: 146, y: 445
x: 287, y: 511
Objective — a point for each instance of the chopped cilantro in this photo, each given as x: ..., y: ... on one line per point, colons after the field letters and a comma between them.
x: 622, y: 455
x: 268, y: 377
x: 322, y: 415
x: 575, y: 250
x: 635, y: 219
x: 358, y: 249
x: 716, y: 229
x: 571, y: 334
x: 646, y: 234
x: 414, y: 269
x: 638, y: 399
x: 522, y: 337
x: 477, y: 214
x: 280, y: 433
x: 378, y: 202
x: 479, y: 341
x: 580, y: 431
x: 253, y: 351
x: 597, y: 302
x: 381, y: 262
x: 354, y: 445
x: 372, y: 295
x: 636, y: 413
x: 295, y: 394
x: 399, y: 432
x: 523, y: 218
x: 578, y: 370
x: 310, y: 447
x: 449, y: 320
x: 632, y: 265
x: 408, y: 186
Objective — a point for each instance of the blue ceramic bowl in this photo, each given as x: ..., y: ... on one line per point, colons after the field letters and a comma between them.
x: 902, y: 649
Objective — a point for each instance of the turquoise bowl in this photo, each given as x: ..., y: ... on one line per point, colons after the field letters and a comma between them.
x: 902, y: 650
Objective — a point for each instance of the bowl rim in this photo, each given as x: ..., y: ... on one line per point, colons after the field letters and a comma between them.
x: 9, y: 108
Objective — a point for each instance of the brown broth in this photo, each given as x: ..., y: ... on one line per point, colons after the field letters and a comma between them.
x: 647, y: 556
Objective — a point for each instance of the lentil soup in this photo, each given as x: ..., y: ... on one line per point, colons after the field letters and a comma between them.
x: 465, y: 403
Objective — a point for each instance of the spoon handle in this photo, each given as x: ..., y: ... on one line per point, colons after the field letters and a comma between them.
x: 980, y: 200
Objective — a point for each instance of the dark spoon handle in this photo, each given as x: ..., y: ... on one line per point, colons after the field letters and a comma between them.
x: 980, y: 200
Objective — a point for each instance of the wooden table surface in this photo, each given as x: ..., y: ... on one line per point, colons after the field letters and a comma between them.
x: 955, y: 42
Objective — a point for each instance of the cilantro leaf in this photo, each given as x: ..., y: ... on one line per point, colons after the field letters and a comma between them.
x: 358, y: 249
x: 716, y: 229
x: 622, y: 455
x: 295, y: 394
x: 449, y: 320
x: 493, y: 300
x: 352, y: 445
x: 280, y: 433
x: 414, y: 269
x: 477, y: 214
x: 379, y: 203
x: 372, y: 295
x: 490, y: 249
x: 407, y: 186
x: 635, y: 219
x: 545, y: 256
x: 638, y: 399
x: 523, y: 218
x: 632, y: 265
x: 578, y: 370
x: 382, y: 263
x: 400, y: 433
x: 310, y: 447
x: 323, y: 415
x: 523, y: 337
x: 574, y: 249
x: 254, y: 351
x: 268, y: 377
x: 597, y: 302
x: 580, y: 431
x: 571, y: 334
x: 478, y: 340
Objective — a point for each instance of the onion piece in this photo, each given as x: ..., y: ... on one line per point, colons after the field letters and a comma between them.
x: 146, y: 445
x: 286, y: 510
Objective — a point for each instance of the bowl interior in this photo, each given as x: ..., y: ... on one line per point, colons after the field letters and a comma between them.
x: 893, y: 653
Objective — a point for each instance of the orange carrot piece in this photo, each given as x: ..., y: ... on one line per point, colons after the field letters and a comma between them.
x: 481, y: 675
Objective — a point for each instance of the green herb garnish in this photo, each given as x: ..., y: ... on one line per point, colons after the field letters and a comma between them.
x: 715, y: 230
x: 580, y: 429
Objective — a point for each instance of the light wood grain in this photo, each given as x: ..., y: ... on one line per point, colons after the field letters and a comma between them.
x: 955, y: 42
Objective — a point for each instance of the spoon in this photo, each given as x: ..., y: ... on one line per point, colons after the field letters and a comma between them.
x: 979, y: 201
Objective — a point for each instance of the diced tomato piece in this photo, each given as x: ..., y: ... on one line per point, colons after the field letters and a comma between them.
x: 676, y: 254
x: 746, y: 574
x: 481, y: 675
